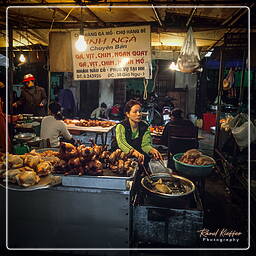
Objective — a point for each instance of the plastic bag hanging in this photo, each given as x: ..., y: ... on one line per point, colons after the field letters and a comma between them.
x: 189, y: 59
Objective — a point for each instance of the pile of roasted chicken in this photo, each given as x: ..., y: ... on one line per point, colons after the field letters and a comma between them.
x: 27, y: 169
x: 84, y: 160
x: 195, y: 157
x: 89, y: 123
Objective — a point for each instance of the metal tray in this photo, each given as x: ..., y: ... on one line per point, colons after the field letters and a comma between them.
x: 45, y: 182
x: 41, y: 150
x: 24, y: 136
x: 103, y: 182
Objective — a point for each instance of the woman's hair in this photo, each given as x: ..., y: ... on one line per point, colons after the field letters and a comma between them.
x: 129, y: 104
x: 103, y: 105
x: 55, y: 109
x: 176, y: 113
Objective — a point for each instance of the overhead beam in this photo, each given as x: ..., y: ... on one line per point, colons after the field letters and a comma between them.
x: 65, y: 14
x: 13, y: 39
x: 24, y: 36
x: 34, y: 34
x: 95, y: 16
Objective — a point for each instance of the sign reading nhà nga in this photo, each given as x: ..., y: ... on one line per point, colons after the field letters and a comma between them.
x: 113, y: 53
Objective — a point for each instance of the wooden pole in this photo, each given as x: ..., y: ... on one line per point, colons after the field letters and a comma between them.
x: 220, y: 91
x: 240, y: 101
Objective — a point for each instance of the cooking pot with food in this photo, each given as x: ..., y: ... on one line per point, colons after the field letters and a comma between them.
x: 167, y: 190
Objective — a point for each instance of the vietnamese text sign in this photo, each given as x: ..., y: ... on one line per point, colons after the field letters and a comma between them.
x: 113, y: 53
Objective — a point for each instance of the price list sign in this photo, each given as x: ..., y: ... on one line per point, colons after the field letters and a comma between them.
x: 113, y: 53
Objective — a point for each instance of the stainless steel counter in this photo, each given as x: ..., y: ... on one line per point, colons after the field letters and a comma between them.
x: 68, y: 217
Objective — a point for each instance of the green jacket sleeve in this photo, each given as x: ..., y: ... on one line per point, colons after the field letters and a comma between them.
x: 121, y: 140
x: 146, y: 144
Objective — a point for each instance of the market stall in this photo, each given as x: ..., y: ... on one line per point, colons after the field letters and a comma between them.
x: 83, y: 195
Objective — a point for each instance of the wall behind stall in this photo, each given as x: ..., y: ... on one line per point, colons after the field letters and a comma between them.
x: 106, y: 92
x: 189, y: 81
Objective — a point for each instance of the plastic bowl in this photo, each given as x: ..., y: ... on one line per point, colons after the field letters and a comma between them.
x: 189, y: 170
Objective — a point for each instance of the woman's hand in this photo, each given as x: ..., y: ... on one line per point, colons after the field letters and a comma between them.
x: 156, y: 154
x: 138, y: 155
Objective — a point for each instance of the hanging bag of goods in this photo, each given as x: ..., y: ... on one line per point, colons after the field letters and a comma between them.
x: 229, y: 80
x: 189, y: 59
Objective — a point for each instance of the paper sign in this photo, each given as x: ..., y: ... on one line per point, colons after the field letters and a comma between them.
x: 113, y: 53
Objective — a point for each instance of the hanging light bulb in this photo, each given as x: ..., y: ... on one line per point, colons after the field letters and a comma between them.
x: 173, y: 66
x: 80, y: 44
x: 22, y: 58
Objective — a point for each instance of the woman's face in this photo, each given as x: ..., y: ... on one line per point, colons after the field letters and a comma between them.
x: 135, y: 113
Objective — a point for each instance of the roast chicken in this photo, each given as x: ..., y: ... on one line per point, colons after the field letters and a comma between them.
x: 195, y: 157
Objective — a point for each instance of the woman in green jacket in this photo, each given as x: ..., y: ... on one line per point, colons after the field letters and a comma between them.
x: 133, y: 134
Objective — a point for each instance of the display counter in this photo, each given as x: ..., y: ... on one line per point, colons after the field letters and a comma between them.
x: 68, y: 217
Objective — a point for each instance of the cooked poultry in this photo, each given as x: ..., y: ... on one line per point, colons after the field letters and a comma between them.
x: 120, y: 165
x: 25, y: 169
x: 90, y: 123
x: 82, y: 160
x: 204, y: 160
x: 195, y: 157
x: 14, y: 161
x: 11, y: 174
x: 123, y: 156
x: 190, y: 156
x: 27, y: 178
x: 115, y: 155
x: 161, y: 187
x: 32, y: 161
x: 44, y: 168
x: 74, y: 162
x: 52, y: 159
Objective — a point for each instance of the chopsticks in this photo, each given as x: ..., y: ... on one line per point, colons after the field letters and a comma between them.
x: 145, y: 170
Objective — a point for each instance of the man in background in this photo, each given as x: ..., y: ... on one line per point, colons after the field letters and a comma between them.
x: 99, y: 112
x: 33, y: 98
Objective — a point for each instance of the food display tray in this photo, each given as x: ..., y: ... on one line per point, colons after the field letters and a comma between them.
x: 107, y: 181
x: 45, y: 182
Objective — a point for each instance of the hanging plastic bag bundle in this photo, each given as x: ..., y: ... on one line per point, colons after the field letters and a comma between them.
x: 189, y: 59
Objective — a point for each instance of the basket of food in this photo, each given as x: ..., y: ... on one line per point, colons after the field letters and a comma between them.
x: 193, y: 164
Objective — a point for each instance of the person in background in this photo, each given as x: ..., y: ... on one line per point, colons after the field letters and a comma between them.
x: 52, y: 126
x: 176, y: 119
x: 115, y: 112
x: 133, y: 134
x: 33, y: 98
x: 99, y: 112
x: 67, y: 102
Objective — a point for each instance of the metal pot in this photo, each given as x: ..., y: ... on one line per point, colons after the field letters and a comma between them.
x: 23, y: 137
x: 35, y: 141
x: 37, y: 118
x: 176, y: 200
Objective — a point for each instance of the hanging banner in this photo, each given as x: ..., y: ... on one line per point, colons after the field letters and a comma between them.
x: 113, y: 53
